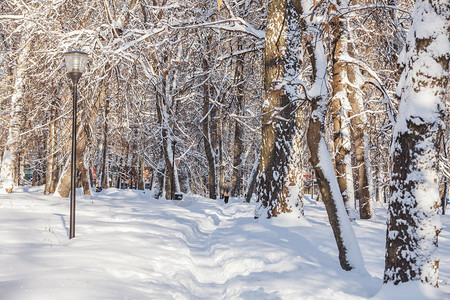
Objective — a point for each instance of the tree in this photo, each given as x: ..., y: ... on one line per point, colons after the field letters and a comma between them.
x: 276, y: 187
x: 349, y: 253
x: 413, y: 223
x: 342, y: 90
x: 9, y: 167
x: 238, y: 128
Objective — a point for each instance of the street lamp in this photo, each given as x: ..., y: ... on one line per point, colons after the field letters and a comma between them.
x: 75, y: 64
x: 173, y: 170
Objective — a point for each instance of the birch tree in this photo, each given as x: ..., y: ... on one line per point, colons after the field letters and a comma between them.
x: 9, y: 171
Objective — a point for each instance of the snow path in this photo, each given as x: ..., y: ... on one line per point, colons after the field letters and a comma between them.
x: 129, y: 246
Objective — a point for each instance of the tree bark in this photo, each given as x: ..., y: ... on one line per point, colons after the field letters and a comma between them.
x: 360, y: 140
x: 238, y: 150
x: 52, y: 162
x: 413, y: 221
x: 63, y: 188
x: 444, y: 195
x: 219, y: 146
x: 340, y: 114
x: 349, y: 253
x: 141, y: 185
x: 8, y: 171
x: 104, y: 175
x: 283, y: 44
x: 158, y: 192
x: 207, y: 135
x: 167, y: 149
x: 252, y: 180
x: 85, y: 180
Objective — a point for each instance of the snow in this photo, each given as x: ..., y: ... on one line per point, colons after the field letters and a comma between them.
x: 6, y: 176
x: 410, y: 290
x: 348, y: 236
x: 131, y: 246
x: 350, y: 188
x: 421, y: 102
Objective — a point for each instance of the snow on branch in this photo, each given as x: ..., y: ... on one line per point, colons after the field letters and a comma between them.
x: 234, y: 25
x: 12, y: 17
x: 355, y: 8
x: 375, y: 80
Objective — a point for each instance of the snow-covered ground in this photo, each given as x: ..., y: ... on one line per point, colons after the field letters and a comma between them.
x: 130, y: 246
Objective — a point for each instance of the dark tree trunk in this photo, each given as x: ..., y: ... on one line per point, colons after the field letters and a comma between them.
x: 358, y: 121
x: 252, y: 180
x: 83, y: 137
x: 238, y: 150
x: 140, y: 168
x: 317, y: 145
x: 104, y: 183
x: 349, y: 253
x: 412, y: 229
x: 207, y: 134
x: 340, y: 106
x: 279, y: 128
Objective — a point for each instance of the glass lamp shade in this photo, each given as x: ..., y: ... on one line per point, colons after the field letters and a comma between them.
x: 76, y: 61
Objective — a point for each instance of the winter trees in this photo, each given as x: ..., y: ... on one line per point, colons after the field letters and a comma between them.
x: 184, y: 71
x: 349, y: 254
x: 145, y: 58
x: 413, y: 223
x: 281, y: 148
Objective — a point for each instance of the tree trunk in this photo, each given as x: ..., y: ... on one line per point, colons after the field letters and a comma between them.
x: 104, y: 175
x: 167, y: 151
x: 252, y: 180
x: 8, y: 171
x: 360, y: 140
x: 52, y: 160
x: 165, y: 112
x: 158, y: 193
x: 219, y: 143
x: 207, y: 135
x: 413, y: 221
x: 140, y: 167
x: 340, y: 113
x: 63, y: 188
x: 444, y: 195
x: 236, y: 179
x: 349, y: 253
x: 275, y: 194
x: 329, y: 189
x: 85, y: 182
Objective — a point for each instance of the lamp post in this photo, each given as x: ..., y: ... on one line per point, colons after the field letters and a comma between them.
x: 173, y: 171
x: 75, y: 64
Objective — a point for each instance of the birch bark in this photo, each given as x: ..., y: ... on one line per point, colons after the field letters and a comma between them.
x: 9, y: 170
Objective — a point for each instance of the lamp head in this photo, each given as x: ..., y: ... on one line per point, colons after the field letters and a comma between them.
x: 76, y: 64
